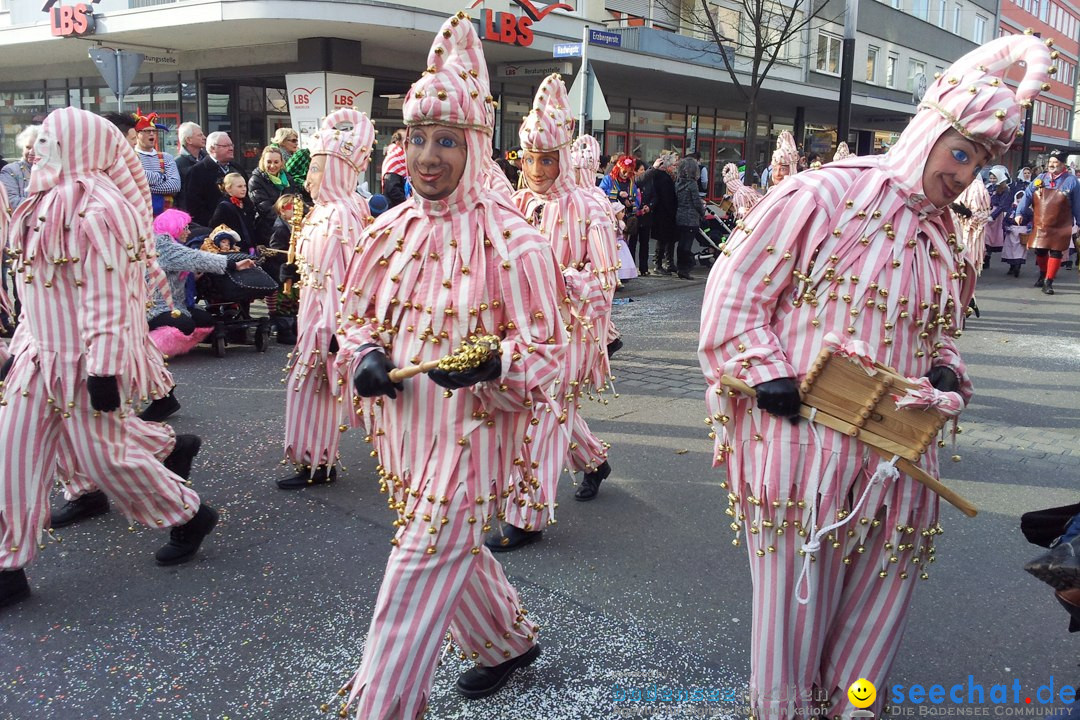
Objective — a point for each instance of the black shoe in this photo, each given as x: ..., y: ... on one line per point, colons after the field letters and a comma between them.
x: 1048, y: 287
x: 306, y: 478
x: 81, y: 508
x: 183, y: 455
x: 1040, y: 281
x: 512, y: 538
x: 1059, y: 568
x: 483, y: 681
x: 665, y: 271
x: 184, y: 540
x: 614, y: 346
x: 686, y: 276
x: 975, y: 308
x: 590, y: 484
x: 13, y: 587
x: 161, y: 408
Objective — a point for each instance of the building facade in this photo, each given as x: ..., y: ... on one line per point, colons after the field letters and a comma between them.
x: 225, y: 64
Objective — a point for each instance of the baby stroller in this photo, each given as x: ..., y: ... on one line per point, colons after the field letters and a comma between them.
x: 712, y: 234
x: 228, y: 299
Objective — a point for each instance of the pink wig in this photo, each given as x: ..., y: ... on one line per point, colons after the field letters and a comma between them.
x: 171, y: 222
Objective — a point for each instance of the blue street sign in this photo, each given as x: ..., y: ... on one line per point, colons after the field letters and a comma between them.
x: 607, y: 39
x: 566, y: 50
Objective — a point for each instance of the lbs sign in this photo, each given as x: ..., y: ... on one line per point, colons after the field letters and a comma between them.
x: 71, y: 20
x: 511, y: 29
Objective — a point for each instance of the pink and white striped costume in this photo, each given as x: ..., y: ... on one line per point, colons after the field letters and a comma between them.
x: 579, y: 230
x: 427, y: 275
x: 81, y: 246
x: 743, y: 198
x: 856, y: 250
x: 975, y: 198
x: 318, y: 395
x: 585, y: 159
x: 842, y: 152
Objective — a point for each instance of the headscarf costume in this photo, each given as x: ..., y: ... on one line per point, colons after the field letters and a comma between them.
x: 785, y: 155
x: 81, y: 243
x: 842, y: 152
x: 975, y: 198
x: 429, y: 274
x: 743, y: 198
x: 857, y: 251
x: 318, y: 395
x: 580, y: 230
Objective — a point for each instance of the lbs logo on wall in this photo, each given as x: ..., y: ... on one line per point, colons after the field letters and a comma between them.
x: 514, y: 29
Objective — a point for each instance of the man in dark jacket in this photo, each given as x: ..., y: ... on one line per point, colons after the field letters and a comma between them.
x: 661, y: 181
x: 202, y: 192
x: 192, y: 150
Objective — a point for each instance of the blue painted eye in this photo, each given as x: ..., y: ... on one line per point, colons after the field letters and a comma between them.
x: 960, y: 156
x: 447, y: 142
x: 416, y: 140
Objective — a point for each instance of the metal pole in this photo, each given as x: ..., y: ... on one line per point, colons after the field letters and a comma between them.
x: 584, y: 109
x: 847, y: 71
x: 119, y: 96
x: 1025, y: 148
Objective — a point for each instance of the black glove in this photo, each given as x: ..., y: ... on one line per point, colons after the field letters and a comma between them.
x: 6, y: 368
x: 454, y: 380
x: 104, y: 393
x: 333, y: 344
x: 779, y: 397
x: 943, y: 378
x: 372, y: 377
x: 288, y: 272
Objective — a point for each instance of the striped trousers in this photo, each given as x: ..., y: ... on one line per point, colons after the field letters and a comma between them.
x: 555, y: 445
x: 460, y: 588
x: 156, y: 438
x: 850, y: 629
x: 314, y: 417
x: 35, y: 436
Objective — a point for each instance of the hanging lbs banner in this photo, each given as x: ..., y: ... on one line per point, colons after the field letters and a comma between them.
x: 313, y: 96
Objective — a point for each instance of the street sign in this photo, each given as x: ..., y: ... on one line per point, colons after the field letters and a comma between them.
x: 118, y: 67
x: 596, y: 109
x: 566, y: 50
x: 607, y: 39
x: 534, y: 68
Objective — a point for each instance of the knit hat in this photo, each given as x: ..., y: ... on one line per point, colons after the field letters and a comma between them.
x: 842, y: 152
x: 454, y: 90
x: 378, y: 204
x: 786, y: 153
x: 346, y: 137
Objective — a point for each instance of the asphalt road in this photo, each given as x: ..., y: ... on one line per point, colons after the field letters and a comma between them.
x: 640, y: 587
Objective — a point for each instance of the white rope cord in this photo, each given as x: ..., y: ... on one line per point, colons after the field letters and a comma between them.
x: 886, y: 470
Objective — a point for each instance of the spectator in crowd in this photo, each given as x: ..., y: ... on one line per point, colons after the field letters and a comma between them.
x: 265, y: 186
x: 639, y: 244
x: 689, y: 212
x: 703, y: 175
x: 126, y: 124
x: 177, y: 260
x: 203, y: 190
x: 16, y: 176
x: 511, y: 172
x: 192, y: 143
x: 662, y: 178
x: 160, y: 168
x: 287, y: 141
x: 236, y: 211
x: 394, y: 173
x: 283, y: 307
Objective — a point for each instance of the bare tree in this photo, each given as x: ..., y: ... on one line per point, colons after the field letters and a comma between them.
x: 761, y: 33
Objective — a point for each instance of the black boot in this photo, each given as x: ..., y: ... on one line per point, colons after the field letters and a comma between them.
x: 974, y: 308
x: 184, y: 540
x: 1048, y: 287
x: 81, y: 508
x: 161, y: 408
x: 512, y: 538
x: 286, y: 330
x: 590, y: 484
x: 483, y: 681
x: 183, y: 455
x: 1041, y: 280
x: 13, y: 587
x: 307, y: 478
x: 614, y: 346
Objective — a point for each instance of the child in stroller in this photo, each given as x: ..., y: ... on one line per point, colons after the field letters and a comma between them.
x: 712, y: 234
x: 228, y: 297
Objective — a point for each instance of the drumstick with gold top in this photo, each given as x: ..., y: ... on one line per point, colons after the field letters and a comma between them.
x: 294, y: 233
x: 472, y: 354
